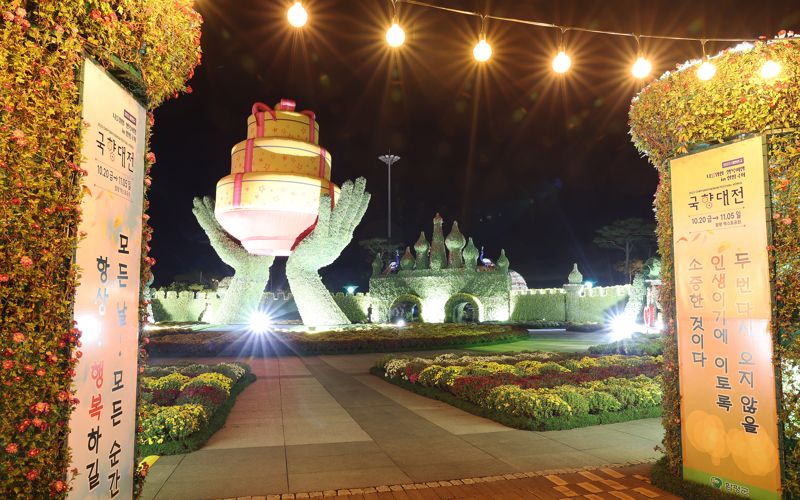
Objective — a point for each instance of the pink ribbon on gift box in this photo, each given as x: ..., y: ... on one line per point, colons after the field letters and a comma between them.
x: 259, y: 108
x: 312, y: 119
x: 237, y: 189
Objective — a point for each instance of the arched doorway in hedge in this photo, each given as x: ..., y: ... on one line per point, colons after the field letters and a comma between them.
x: 463, y: 308
x: 406, y: 307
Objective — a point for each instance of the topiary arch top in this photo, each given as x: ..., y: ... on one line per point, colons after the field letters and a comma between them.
x: 679, y: 113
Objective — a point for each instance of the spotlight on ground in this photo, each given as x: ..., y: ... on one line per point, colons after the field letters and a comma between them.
x: 260, y: 322
x: 622, y: 327
x: 400, y: 323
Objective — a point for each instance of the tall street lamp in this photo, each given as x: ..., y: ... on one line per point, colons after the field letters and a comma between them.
x: 389, y: 160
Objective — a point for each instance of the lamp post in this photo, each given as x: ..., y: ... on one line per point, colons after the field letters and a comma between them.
x: 389, y: 160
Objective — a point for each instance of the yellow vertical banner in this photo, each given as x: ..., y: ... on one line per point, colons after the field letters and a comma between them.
x: 720, y: 209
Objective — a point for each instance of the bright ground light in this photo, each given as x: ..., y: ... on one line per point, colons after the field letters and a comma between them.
x: 259, y: 322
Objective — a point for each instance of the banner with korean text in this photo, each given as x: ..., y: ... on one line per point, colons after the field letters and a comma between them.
x: 102, y: 427
x: 720, y: 210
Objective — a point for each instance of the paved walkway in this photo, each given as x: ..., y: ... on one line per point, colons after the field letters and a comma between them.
x: 323, y: 423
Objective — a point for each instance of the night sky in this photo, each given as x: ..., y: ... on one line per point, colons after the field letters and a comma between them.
x: 522, y: 159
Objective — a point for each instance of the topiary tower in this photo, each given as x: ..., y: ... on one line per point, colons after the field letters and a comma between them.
x: 407, y: 262
x: 438, y: 252
x: 502, y: 261
x: 470, y: 254
x: 421, y: 247
x: 455, y: 242
x: 251, y: 272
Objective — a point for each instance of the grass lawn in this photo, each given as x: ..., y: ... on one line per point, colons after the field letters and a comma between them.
x: 548, y: 341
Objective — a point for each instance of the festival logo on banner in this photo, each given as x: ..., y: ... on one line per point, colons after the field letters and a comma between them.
x: 723, y: 312
x: 102, y: 427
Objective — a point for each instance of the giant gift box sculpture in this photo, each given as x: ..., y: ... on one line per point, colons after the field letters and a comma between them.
x: 271, y: 198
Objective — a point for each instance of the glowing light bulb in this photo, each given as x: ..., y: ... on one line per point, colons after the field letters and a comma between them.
x: 641, y: 68
x: 395, y: 36
x: 482, y: 51
x: 561, y: 62
x: 706, y: 71
x: 260, y: 322
x: 770, y: 70
x: 297, y: 15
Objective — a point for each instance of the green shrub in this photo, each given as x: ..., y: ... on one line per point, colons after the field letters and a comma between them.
x: 194, y: 370
x: 230, y: 370
x: 163, y: 423
x: 600, y: 402
x: 158, y: 371
x: 629, y: 392
x: 537, y: 404
x: 575, y: 398
x: 209, y: 379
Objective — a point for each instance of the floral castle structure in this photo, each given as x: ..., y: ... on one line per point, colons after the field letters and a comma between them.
x: 441, y: 281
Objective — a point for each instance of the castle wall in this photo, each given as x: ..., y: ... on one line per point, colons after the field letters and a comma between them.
x: 557, y: 304
x: 201, y: 306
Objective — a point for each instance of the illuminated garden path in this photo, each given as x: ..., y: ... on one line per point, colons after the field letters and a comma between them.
x: 324, y: 423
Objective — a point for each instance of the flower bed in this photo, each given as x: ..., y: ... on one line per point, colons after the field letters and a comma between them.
x: 539, y: 391
x: 359, y: 338
x: 183, y: 406
x: 638, y: 344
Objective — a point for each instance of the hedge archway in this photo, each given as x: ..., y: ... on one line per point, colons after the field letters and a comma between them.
x: 405, y: 299
x: 459, y: 299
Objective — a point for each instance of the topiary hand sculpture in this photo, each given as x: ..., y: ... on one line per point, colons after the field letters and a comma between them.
x: 251, y: 272
x: 320, y: 248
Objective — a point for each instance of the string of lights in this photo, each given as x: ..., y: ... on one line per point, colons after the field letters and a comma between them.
x: 641, y: 68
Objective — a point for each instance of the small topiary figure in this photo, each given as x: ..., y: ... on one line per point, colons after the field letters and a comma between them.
x: 421, y: 247
x: 407, y: 262
x: 470, y: 254
x: 455, y: 242
x: 438, y: 252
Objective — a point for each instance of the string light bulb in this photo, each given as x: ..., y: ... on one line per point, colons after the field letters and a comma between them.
x: 297, y: 15
x: 770, y: 70
x: 641, y: 68
x: 395, y: 36
x: 482, y: 51
x: 706, y: 71
x: 561, y: 62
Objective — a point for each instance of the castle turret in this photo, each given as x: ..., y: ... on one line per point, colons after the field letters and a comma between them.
x: 470, y: 254
x: 502, y: 262
x: 455, y: 242
x: 407, y: 262
x: 421, y: 247
x: 438, y: 252
x: 575, y: 277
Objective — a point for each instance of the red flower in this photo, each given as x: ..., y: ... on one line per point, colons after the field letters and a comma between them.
x: 96, y: 14
x: 18, y: 136
x: 59, y: 486
x: 40, y: 407
x: 8, y: 364
x: 17, y: 336
x: 33, y: 452
x: 16, y: 201
x: 188, y: 89
x: 787, y: 220
x: 150, y: 157
x: 26, y: 261
x: 32, y: 475
x: 12, y: 448
x: 41, y: 372
x: 3, y: 278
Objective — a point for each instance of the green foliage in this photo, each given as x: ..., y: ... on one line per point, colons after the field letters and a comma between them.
x: 355, y: 338
x: 625, y: 235
x: 233, y: 371
x: 536, y: 404
x: 198, y: 439
x: 162, y: 423
x: 449, y: 306
x: 536, y: 306
x: 352, y: 306
x: 194, y: 370
x: 639, y: 344
x: 42, y: 46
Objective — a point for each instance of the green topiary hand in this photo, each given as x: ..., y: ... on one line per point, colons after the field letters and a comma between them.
x: 320, y: 248
x: 251, y: 272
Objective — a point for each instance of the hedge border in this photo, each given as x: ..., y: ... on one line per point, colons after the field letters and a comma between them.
x: 198, y: 439
x: 216, y: 348
x: 550, y: 424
